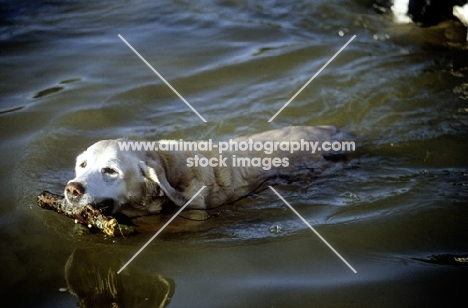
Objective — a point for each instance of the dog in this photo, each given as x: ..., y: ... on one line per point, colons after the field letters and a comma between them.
x: 143, y: 182
x: 424, y: 12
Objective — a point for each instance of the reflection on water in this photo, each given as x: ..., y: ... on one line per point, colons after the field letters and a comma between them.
x: 91, y: 276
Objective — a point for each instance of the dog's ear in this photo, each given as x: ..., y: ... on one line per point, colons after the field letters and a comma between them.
x: 156, y: 174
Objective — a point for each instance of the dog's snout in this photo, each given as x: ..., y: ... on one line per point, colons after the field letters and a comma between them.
x: 74, y: 189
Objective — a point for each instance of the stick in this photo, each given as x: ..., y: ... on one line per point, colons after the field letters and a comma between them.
x: 86, y: 215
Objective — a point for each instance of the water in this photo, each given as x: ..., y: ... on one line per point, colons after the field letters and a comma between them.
x: 68, y: 80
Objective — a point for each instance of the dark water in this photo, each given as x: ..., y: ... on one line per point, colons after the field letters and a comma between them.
x: 68, y: 80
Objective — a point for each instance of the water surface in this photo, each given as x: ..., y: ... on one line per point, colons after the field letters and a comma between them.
x: 67, y: 80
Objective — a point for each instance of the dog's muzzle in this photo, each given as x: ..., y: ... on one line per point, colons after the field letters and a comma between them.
x: 75, y: 192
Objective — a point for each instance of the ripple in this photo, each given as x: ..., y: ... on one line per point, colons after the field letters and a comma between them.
x: 48, y: 91
x: 14, y: 109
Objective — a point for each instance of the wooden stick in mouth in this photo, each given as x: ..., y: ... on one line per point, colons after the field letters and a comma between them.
x: 86, y: 215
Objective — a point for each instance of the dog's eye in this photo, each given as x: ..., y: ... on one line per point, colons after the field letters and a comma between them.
x: 83, y: 164
x: 109, y: 171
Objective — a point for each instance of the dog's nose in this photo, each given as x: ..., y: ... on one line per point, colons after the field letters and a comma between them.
x: 74, y: 190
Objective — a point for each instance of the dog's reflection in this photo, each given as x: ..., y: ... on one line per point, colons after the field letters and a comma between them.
x: 92, y: 277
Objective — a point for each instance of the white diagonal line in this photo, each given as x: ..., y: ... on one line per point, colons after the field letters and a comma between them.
x: 313, y: 77
x: 312, y: 228
x: 162, y: 78
x: 160, y: 230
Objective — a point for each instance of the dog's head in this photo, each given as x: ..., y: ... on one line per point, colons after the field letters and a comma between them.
x: 130, y: 181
